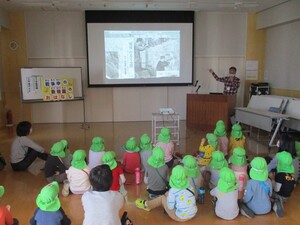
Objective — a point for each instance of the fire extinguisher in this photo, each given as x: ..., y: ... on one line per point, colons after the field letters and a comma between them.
x: 9, y: 120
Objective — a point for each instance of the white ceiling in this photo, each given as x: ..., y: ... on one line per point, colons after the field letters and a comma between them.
x: 195, y: 5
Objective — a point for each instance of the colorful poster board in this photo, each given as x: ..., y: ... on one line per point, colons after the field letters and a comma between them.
x: 58, y: 89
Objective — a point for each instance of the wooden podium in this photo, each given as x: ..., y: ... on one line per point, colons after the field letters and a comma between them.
x: 204, y: 110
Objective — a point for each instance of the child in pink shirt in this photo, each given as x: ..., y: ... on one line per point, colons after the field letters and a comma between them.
x: 220, y: 132
x: 167, y: 145
x: 238, y: 163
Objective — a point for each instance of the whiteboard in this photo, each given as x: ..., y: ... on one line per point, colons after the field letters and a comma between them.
x: 38, y: 74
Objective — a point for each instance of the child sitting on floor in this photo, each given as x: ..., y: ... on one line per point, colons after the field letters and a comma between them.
x: 96, y: 152
x: 258, y: 192
x: 101, y: 206
x: 217, y: 162
x: 238, y: 163
x: 68, y: 158
x: 284, y: 178
x: 164, y: 141
x: 49, y: 210
x: 207, y: 150
x: 157, y: 173
x: 55, y: 169
x: 285, y: 143
x: 193, y: 173
x: 78, y: 173
x: 179, y: 203
x: 145, y: 147
x: 131, y: 158
x: 5, y: 214
x: 220, y: 132
x: 237, y: 139
x: 117, y: 172
x: 226, y: 194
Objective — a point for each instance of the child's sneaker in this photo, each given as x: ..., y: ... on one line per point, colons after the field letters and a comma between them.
x: 245, y: 211
x: 66, y: 189
x: 141, y: 204
x: 278, y: 208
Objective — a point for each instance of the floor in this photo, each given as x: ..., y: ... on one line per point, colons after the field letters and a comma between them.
x: 22, y: 188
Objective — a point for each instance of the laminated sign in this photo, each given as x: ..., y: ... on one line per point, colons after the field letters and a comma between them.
x: 58, y: 89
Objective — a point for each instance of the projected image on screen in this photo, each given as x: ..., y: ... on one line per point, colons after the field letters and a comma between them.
x: 139, y: 48
x: 132, y: 54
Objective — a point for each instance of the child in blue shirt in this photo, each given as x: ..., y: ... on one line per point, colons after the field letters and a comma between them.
x: 258, y: 192
x: 49, y: 210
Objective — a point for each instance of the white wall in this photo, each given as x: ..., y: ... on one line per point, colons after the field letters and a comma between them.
x: 58, y: 39
x: 283, y: 13
x: 282, y: 59
x: 282, y: 56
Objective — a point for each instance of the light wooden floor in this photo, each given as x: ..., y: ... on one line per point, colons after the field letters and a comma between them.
x: 22, y: 188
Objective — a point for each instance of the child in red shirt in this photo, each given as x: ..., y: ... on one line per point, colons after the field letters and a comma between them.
x: 131, y: 157
x: 117, y: 172
x: 5, y: 214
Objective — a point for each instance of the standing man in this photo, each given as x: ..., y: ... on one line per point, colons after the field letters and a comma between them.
x: 231, y: 82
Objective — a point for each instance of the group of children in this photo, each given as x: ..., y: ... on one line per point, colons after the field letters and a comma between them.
x: 236, y: 186
x: 220, y: 165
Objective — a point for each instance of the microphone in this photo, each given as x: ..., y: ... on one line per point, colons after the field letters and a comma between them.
x: 198, y: 89
x: 196, y: 83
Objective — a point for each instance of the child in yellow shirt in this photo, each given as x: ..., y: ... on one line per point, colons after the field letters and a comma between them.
x: 237, y: 139
x: 207, y: 150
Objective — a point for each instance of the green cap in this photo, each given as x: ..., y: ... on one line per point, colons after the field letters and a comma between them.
x: 220, y: 129
x: 218, y: 161
x: 2, y: 190
x: 64, y: 143
x: 164, y: 135
x: 191, y: 167
x: 212, y: 139
x: 65, y: 146
x: 78, y: 160
x: 109, y: 159
x: 58, y: 150
x: 236, y: 131
x: 285, y: 162
x: 178, y: 179
x: 48, y: 200
x: 157, y: 159
x: 145, y: 142
x: 259, y: 170
x: 97, y: 144
x: 131, y: 145
x: 239, y: 157
x: 227, y: 181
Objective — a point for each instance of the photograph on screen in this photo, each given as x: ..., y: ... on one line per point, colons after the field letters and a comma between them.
x: 140, y: 54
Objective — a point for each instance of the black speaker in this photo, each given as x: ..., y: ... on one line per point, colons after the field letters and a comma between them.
x: 259, y: 89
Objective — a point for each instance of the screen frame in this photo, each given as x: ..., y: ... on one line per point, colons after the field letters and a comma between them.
x: 115, y: 16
